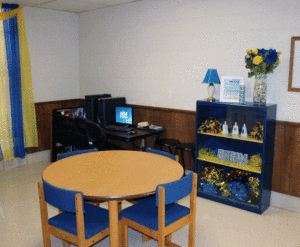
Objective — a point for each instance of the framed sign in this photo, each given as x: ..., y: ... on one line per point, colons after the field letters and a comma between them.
x: 230, y: 87
x: 294, y: 77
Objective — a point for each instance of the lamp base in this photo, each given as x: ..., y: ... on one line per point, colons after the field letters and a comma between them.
x: 210, y: 99
x: 211, y: 91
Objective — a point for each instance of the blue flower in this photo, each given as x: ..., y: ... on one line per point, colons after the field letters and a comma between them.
x: 238, y: 191
x: 272, y: 56
x: 210, y: 188
x: 262, y: 51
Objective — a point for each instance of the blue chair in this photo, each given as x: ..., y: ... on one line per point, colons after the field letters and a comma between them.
x: 69, y: 154
x: 158, y: 220
x: 155, y: 151
x: 80, y: 223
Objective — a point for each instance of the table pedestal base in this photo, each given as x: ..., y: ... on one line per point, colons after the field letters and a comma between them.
x: 113, y: 223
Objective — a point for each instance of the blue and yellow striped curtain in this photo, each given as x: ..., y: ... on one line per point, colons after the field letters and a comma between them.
x: 17, y: 113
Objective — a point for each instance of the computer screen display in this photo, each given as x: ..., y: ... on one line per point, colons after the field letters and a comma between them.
x: 124, y: 114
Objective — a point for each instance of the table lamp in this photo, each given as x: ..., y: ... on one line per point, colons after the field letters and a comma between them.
x: 211, y: 78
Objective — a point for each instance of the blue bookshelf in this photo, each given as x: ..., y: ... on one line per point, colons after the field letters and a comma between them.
x: 233, y: 169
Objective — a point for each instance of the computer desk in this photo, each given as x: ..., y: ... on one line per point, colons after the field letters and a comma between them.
x: 140, y: 134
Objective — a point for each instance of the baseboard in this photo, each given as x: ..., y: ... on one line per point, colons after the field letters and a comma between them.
x: 29, y: 159
x: 284, y: 201
x: 39, y: 156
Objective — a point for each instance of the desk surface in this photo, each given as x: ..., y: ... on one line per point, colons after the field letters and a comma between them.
x: 113, y: 175
x: 124, y: 136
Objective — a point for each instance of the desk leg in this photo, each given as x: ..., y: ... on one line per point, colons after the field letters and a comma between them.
x: 113, y: 223
x: 145, y: 144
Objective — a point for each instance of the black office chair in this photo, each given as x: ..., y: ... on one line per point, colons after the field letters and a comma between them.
x: 185, y: 147
x: 64, y: 130
x: 89, y: 135
x: 96, y: 135
x: 168, y: 143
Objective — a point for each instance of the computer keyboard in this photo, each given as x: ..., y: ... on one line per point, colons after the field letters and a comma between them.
x: 124, y: 128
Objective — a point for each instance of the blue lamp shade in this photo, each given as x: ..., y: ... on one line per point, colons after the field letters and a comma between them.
x: 211, y: 77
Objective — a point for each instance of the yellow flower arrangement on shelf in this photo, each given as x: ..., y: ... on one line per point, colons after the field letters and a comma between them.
x: 261, y: 61
x: 258, y: 131
x: 212, y: 126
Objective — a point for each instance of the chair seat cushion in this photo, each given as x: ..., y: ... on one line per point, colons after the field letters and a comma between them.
x: 95, y: 220
x: 146, y: 214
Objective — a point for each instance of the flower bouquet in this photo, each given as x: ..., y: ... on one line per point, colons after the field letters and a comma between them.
x: 261, y: 61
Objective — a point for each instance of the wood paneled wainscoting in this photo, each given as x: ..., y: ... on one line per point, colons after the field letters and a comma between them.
x: 181, y: 125
x: 286, y: 165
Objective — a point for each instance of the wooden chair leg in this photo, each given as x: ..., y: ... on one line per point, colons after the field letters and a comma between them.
x: 161, y: 240
x: 46, y: 239
x: 121, y: 234
x: 119, y: 207
x: 169, y: 238
x: 124, y: 235
x: 44, y: 216
x: 192, y: 229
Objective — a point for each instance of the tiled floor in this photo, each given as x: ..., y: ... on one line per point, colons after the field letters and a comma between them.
x: 218, y: 225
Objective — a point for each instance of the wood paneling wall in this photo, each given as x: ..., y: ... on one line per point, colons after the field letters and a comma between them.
x: 181, y: 125
x: 286, y: 165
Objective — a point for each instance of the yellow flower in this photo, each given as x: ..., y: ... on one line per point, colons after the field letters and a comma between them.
x: 248, y: 56
x: 257, y: 60
x: 279, y: 52
x: 255, y: 52
x: 249, y: 51
x: 278, y: 61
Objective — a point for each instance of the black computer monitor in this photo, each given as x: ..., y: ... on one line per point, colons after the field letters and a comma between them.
x: 124, y: 115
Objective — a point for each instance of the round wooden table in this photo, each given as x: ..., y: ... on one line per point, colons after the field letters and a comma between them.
x: 113, y: 176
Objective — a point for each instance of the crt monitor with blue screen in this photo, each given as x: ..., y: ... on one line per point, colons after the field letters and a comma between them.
x: 124, y: 115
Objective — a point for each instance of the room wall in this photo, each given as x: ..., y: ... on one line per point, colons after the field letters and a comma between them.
x: 53, y: 45
x: 156, y: 53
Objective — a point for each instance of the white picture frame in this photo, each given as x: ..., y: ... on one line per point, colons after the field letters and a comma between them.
x: 230, y: 87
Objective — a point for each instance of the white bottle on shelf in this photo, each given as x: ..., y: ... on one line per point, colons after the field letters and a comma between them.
x: 244, y: 131
x: 235, y: 129
x: 225, y: 129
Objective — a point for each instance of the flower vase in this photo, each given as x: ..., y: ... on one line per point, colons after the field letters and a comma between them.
x: 260, y: 89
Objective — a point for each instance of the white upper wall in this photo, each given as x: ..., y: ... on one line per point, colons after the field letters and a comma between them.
x: 156, y: 53
x: 53, y: 45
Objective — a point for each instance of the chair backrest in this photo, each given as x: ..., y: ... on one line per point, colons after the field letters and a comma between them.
x: 61, y: 198
x: 176, y: 190
x: 96, y: 134
x: 69, y: 154
x: 64, y: 129
x: 155, y: 151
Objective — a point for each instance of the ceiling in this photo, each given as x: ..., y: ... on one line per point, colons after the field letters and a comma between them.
x: 75, y: 6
